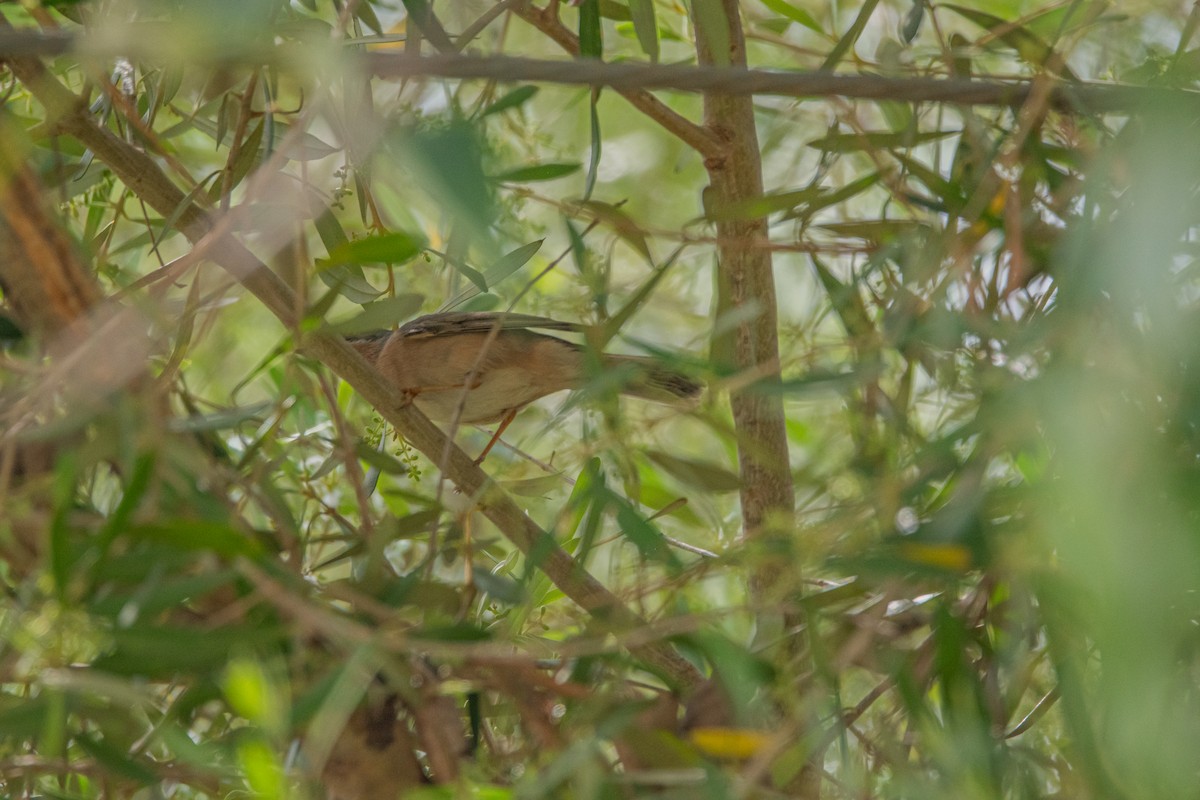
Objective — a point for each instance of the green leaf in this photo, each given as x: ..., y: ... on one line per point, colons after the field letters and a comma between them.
x: 596, y: 147
x: 1029, y: 46
x: 499, y: 587
x: 617, y: 321
x: 645, y: 537
x: 503, y: 267
x: 826, y: 199
x: 349, y: 281
x: 818, y: 382
x: 591, y: 44
x: 615, y: 10
x: 712, y: 24
x: 346, y: 279
x: 799, y: 203
x: 537, y: 172
x: 763, y: 206
x: 533, y: 487
x: 366, y: 13
x: 798, y: 15
x: 199, y: 535
x: 943, y: 189
x: 447, y: 162
x: 247, y: 157
x: 912, y: 21
x: 115, y: 760
x: 471, y: 274
x: 304, y: 147
x: 847, y: 41
x: 876, y: 140
x: 164, y: 651
x: 384, y: 462
x: 645, y: 26
x: 877, y: 230
x: 389, y: 248
x: 330, y: 230
x: 139, y: 482
x: 149, y: 598
x: 220, y: 420
x: 622, y: 223
x: 699, y: 474
x: 380, y: 314
x: 459, y: 632
x: 22, y: 718
x: 513, y: 99
x: 847, y: 302
x: 66, y: 473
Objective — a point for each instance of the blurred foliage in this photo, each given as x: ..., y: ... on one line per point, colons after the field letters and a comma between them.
x: 227, y: 577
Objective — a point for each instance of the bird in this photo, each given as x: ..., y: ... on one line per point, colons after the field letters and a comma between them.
x: 509, y: 364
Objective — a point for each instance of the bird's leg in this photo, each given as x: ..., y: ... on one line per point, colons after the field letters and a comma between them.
x: 504, y: 423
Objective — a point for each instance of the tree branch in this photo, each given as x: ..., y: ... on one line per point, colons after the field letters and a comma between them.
x: 746, y: 280
x: 691, y: 134
x: 635, y: 80
x: 739, y: 80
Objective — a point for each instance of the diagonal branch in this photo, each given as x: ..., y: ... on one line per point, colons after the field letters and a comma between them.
x: 68, y: 114
x: 691, y: 134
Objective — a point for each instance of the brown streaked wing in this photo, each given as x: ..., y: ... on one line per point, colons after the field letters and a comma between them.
x: 480, y: 322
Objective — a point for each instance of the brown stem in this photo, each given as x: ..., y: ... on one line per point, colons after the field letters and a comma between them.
x: 746, y: 280
x: 691, y: 134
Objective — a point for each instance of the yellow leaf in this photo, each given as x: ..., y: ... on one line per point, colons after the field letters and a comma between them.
x: 944, y: 556
x: 734, y: 744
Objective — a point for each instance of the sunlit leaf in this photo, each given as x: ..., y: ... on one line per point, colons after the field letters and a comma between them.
x: 387, y: 248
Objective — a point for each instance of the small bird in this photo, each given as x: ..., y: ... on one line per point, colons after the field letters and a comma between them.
x: 431, y: 358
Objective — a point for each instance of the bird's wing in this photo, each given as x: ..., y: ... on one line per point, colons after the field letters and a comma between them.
x: 480, y: 322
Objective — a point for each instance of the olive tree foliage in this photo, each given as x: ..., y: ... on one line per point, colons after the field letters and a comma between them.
x: 931, y: 531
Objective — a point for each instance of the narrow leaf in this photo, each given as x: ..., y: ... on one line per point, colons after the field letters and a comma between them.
x: 380, y: 314
x: 645, y: 26
x: 594, y: 157
x: 826, y: 199
x: 851, y: 37
x: 591, y: 44
x: 798, y: 15
x: 1029, y: 46
x: 712, y: 24
x: 537, y: 172
x: 876, y: 140
x: 389, y: 248
x: 503, y: 267
x: 699, y: 474
x: 622, y: 223
x: 513, y: 99
x: 648, y: 540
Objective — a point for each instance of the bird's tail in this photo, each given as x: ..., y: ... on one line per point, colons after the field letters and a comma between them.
x: 649, y: 379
